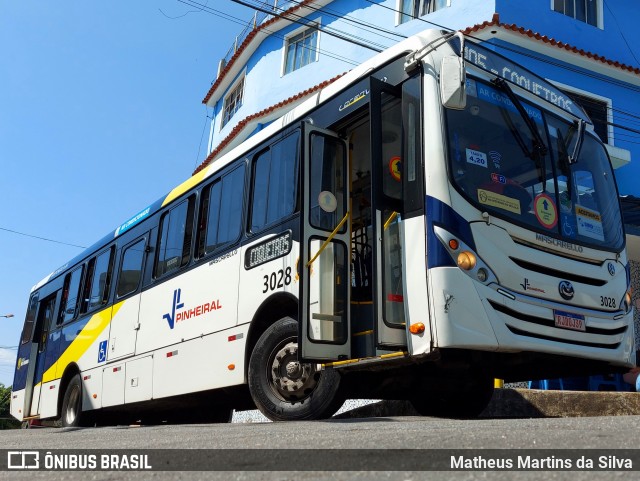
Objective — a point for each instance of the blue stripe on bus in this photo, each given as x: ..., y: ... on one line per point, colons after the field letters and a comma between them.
x: 440, y: 214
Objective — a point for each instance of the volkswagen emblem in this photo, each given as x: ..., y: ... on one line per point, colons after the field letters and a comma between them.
x: 612, y: 268
x: 566, y: 290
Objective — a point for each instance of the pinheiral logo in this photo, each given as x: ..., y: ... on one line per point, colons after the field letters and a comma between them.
x: 180, y: 313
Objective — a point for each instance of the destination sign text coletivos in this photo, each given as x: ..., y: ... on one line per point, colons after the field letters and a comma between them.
x: 268, y: 250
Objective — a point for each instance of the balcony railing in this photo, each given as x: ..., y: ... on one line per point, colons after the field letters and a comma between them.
x: 259, y: 17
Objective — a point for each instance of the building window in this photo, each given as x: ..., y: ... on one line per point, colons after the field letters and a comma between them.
x: 597, y: 108
x: 598, y: 111
x: 301, y: 49
x: 410, y: 9
x: 583, y: 10
x: 232, y: 102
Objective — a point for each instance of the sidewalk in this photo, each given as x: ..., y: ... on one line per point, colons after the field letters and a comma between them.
x: 527, y: 403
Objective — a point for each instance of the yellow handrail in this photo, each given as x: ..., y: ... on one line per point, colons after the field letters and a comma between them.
x: 329, y: 239
x: 390, y: 219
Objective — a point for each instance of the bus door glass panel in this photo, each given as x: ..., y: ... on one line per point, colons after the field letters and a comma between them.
x: 123, y: 329
x: 325, y: 257
x: 44, y: 324
x: 387, y: 145
x: 24, y: 350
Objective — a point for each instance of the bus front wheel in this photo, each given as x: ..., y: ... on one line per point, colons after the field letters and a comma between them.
x: 285, y: 389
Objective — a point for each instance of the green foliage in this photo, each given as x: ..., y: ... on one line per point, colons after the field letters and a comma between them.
x: 6, y: 421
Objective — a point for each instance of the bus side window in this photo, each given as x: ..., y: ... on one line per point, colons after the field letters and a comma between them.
x: 30, y: 319
x: 275, y: 180
x: 130, y: 269
x: 174, y: 243
x: 221, y: 213
x: 70, y: 295
x: 96, y: 289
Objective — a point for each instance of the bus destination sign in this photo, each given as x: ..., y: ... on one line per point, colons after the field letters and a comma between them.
x: 268, y: 250
x: 494, y: 63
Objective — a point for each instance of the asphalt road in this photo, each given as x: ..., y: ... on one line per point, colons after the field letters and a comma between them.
x: 326, y: 443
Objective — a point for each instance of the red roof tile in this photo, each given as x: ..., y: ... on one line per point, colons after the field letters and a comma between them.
x: 495, y: 22
x: 245, y: 43
x: 241, y: 125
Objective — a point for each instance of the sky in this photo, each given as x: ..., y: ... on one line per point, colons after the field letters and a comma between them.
x: 100, y: 114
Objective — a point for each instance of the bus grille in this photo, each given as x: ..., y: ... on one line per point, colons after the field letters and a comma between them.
x: 540, y: 321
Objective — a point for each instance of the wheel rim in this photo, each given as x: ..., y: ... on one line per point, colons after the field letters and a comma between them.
x: 73, y: 405
x: 290, y: 380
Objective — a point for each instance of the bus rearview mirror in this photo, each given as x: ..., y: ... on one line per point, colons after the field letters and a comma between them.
x: 453, y: 82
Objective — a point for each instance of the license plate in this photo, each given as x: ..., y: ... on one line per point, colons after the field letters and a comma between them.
x: 569, y: 320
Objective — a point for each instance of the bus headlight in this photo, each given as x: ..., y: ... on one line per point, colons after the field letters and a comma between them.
x: 466, y: 260
x: 627, y: 300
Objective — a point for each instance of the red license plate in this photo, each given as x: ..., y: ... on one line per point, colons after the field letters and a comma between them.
x: 569, y: 320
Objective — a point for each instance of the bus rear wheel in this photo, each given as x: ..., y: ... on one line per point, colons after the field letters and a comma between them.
x: 284, y: 389
x: 72, y: 414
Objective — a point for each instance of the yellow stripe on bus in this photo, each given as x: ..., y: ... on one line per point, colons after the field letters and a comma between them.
x: 85, y: 338
x: 185, y: 186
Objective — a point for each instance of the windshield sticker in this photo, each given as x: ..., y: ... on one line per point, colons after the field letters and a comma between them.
x: 496, y: 158
x: 498, y: 200
x: 589, y: 223
x: 568, y: 225
x: 545, y: 210
x: 498, y: 178
x: 394, y: 168
x: 498, y: 98
x: 476, y: 157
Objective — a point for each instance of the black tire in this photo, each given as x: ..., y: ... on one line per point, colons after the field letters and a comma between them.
x: 465, y: 400
x: 72, y: 414
x: 282, y: 388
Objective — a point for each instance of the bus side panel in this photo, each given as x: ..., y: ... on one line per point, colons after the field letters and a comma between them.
x: 416, y: 301
x: 259, y: 283
x: 49, y: 399
x: 35, y: 400
x: 92, y: 389
x: 199, y: 302
x: 460, y: 316
x: 17, y: 404
x: 203, y: 363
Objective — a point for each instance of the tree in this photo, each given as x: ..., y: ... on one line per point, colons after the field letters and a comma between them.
x: 6, y: 421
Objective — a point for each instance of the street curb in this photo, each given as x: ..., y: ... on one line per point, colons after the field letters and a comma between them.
x: 526, y: 403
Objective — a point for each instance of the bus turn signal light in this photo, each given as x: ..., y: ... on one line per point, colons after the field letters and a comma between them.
x: 466, y: 260
x: 417, y: 328
x: 454, y: 244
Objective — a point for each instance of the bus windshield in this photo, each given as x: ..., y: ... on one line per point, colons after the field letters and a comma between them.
x: 564, y: 188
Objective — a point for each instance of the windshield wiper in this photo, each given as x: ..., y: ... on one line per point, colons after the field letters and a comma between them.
x: 573, y: 158
x: 539, y: 148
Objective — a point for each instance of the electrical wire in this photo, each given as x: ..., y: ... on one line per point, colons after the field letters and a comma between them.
x: 327, y: 30
x: 41, y: 238
x: 218, y: 13
x: 345, y: 36
x: 621, y: 32
x: 343, y: 16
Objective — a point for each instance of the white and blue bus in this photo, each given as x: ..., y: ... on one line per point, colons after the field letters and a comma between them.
x: 436, y: 218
